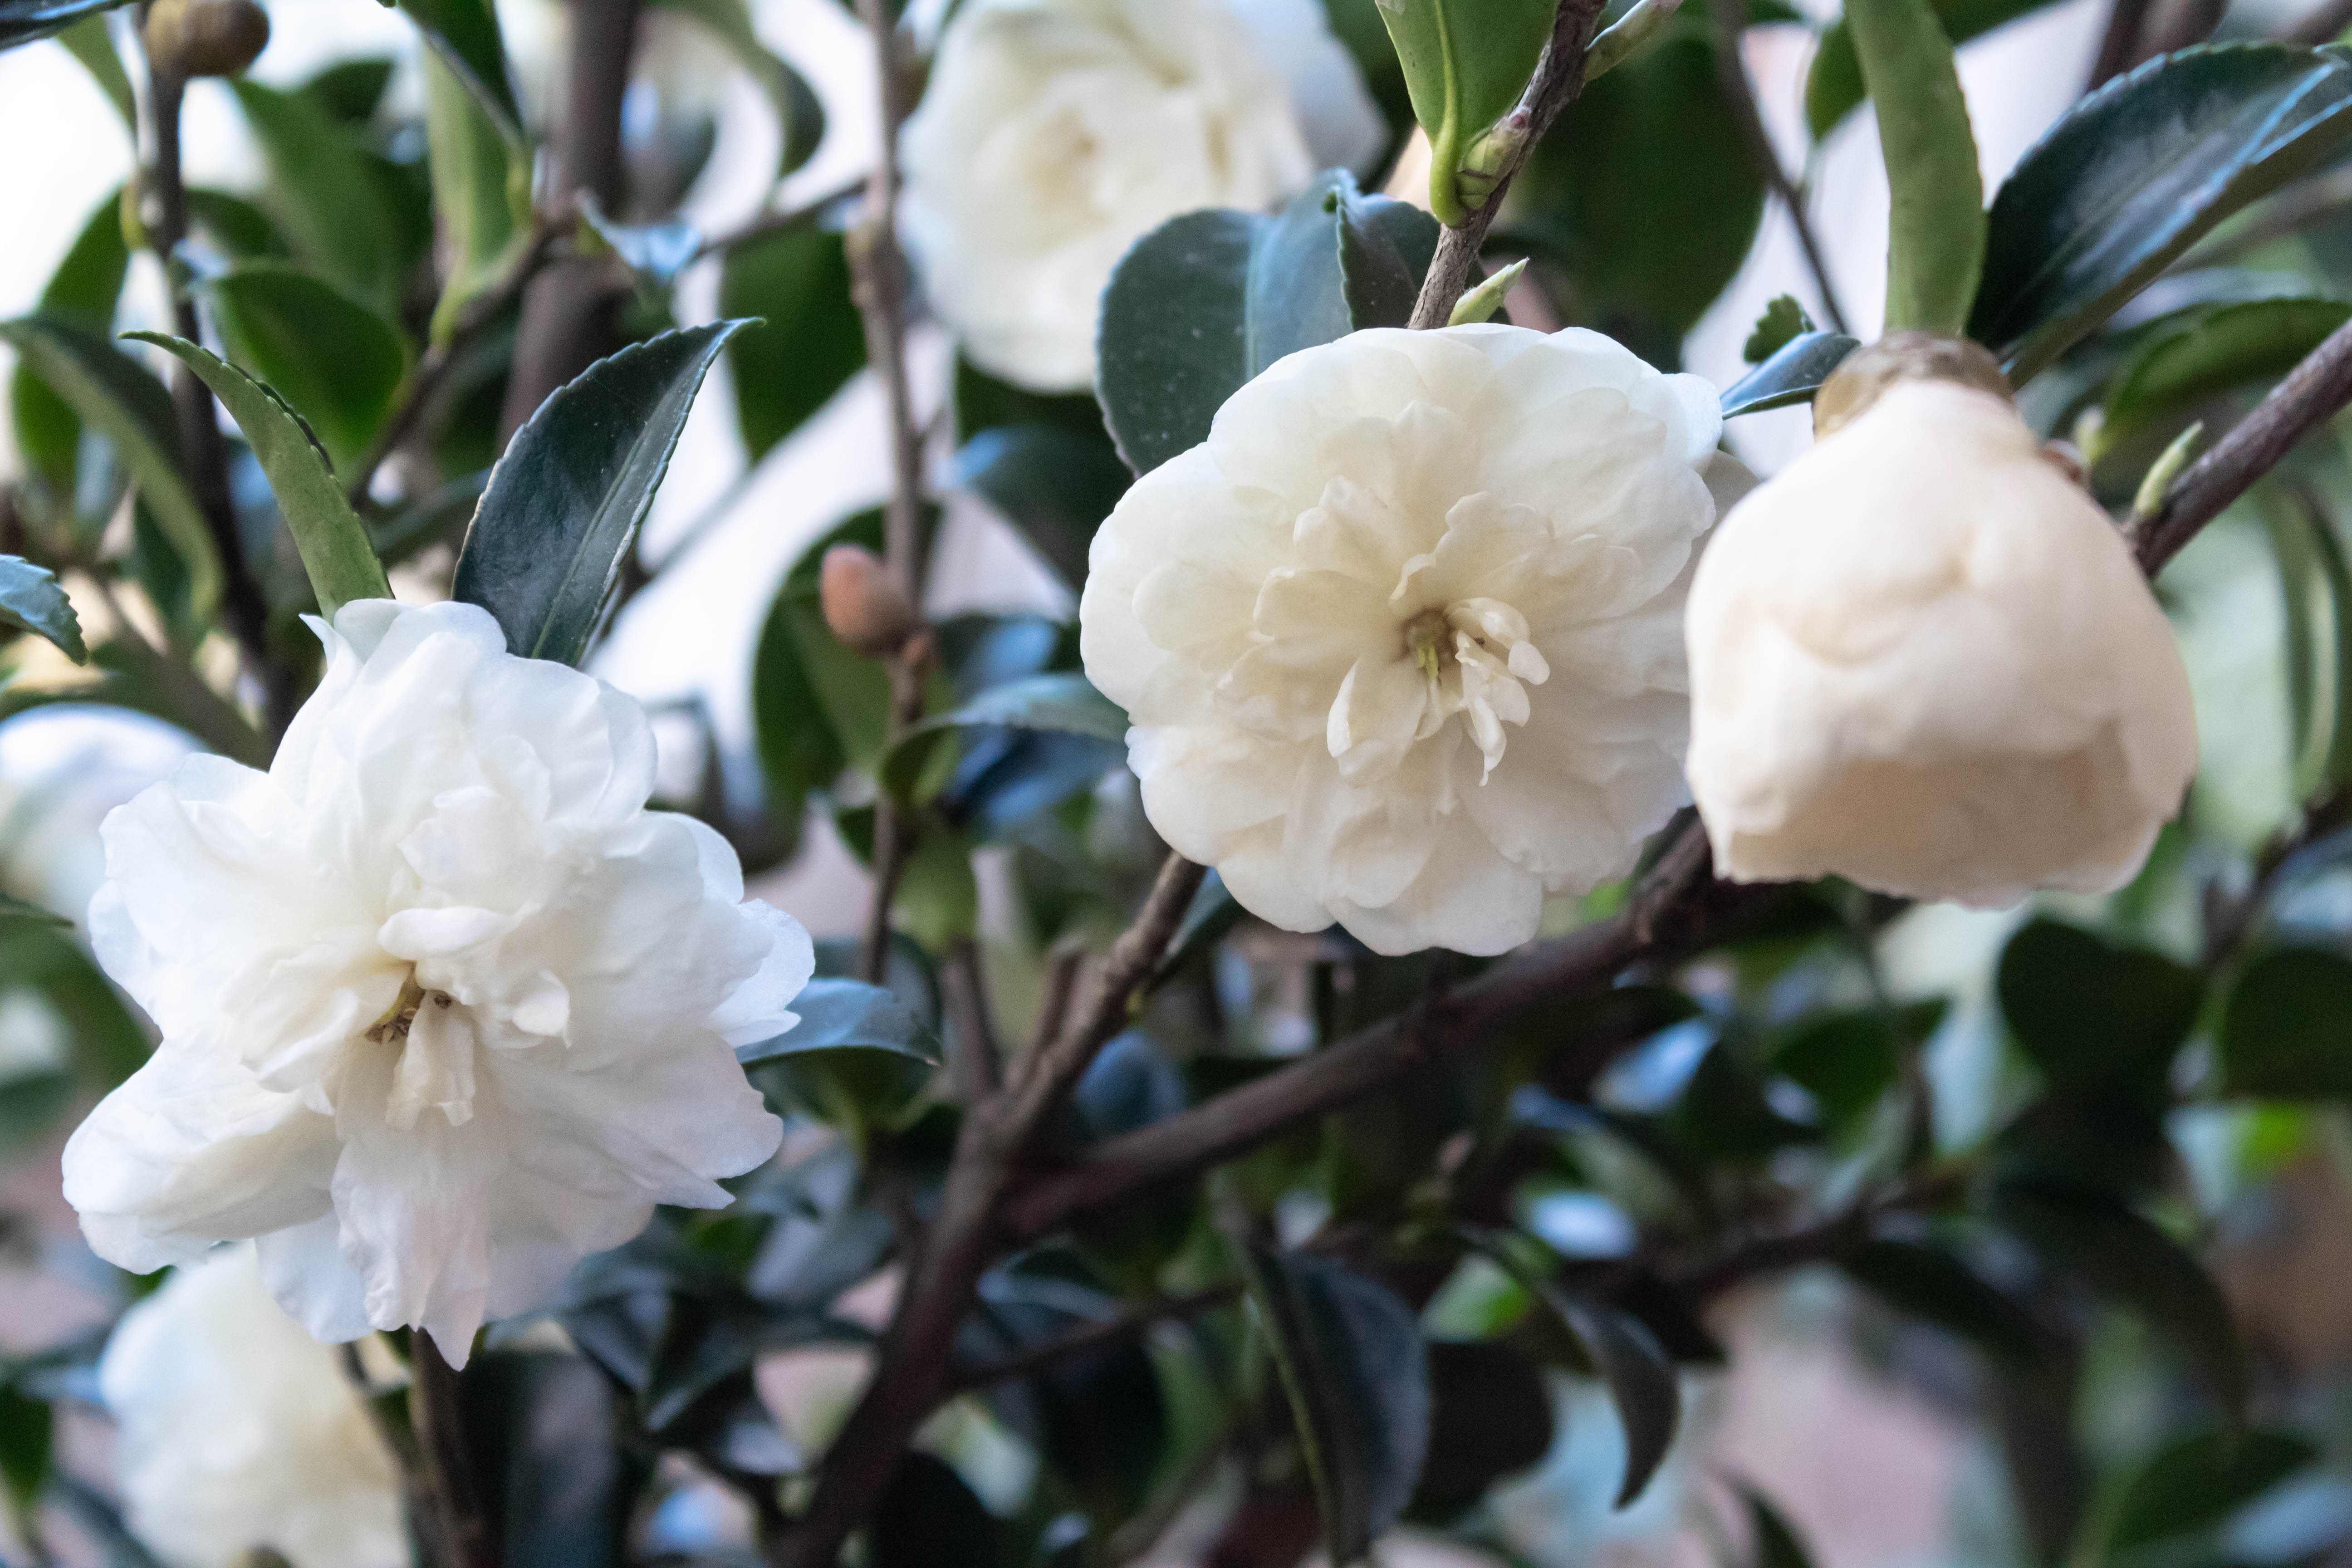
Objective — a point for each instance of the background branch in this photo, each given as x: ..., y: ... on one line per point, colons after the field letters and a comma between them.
x: 1730, y: 17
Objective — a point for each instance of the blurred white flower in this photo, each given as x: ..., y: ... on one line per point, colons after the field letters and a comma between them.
x: 1923, y: 659
x: 1401, y: 641
x: 444, y: 1007
x: 236, y: 1429
x: 1054, y: 133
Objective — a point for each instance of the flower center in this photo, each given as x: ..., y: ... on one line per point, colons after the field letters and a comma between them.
x: 435, y: 1038
x: 1476, y: 659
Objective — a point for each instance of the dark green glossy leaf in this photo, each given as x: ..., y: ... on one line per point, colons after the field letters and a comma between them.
x: 800, y: 115
x: 22, y: 21
x: 27, y: 1427
x: 1385, y: 249
x: 1935, y: 224
x: 2195, y: 1482
x: 1465, y: 64
x: 2133, y: 175
x: 1773, y: 1542
x: 808, y: 341
x: 1793, y: 374
x: 464, y: 35
x: 1784, y: 322
x: 984, y: 403
x: 113, y: 395
x: 848, y: 1014
x: 2090, y: 1014
x: 2135, y: 1265
x: 1930, y: 1283
x: 1833, y: 83
x: 928, y: 1517
x: 1846, y: 1060
x: 2287, y: 1031
x: 1641, y: 1376
x: 83, y: 289
x: 1064, y: 702
x: 2243, y: 345
x: 858, y: 1058
x: 1490, y: 1417
x: 1052, y: 484
x: 564, y: 504
x: 336, y: 361
x: 334, y: 543
x: 31, y: 600
x: 325, y: 194
x: 1356, y: 1372
x: 558, y: 1482
x: 1588, y: 203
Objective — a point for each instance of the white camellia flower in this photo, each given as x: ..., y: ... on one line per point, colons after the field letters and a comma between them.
x: 1401, y: 641
x: 236, y: 1429
x: 1923, y: 659
x: 1054, y: 133
x: 444, y: 1006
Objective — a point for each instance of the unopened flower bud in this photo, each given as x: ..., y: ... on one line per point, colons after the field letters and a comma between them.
x: 1894, y: 359
x: 865, y: 608
x: 1922, y: 660
x: 191, y: 39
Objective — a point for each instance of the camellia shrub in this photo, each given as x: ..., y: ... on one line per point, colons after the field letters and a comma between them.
x: 1444, y: 869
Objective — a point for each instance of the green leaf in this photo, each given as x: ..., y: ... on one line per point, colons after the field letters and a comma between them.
x: 928, y: 1517
x: 1353, y: 1363
x: 325, y: 194
x: 31, y: 600
x: 109, y: 390
x: 235, y: 226
x: 1490, y: 1417
x: 334, y: 543
x: 984, y: 403
x: 83, y: 289
x: 2092, y: 1015
x: 16, y: 908
x: 464, y: 37
x: 1935, y: 227
x: 481, y: 191
x: 1773, y: 1541
x: 1783, y: 322
x: 89, y: 42
x: 1930, y: 1283
x: 1834, y: 84
x: 1793, y: 374
x: 1588, y: 203
x: 335, y: 360
x: 557, y: 1475
x: 564, y: 503
x: 351, y: 90
x: 1846, y: 1060
x: 1207, y: 300
x: 2216, y: 353
x: 1055, y: 486
x: 108, y: 1045
x: 2135, y: 1265
x: 22, y: 21
x: 2133, y: 175
x: 857, y: 1056
x: 800, y: 114
x: 2195, y: 1482
x: 1466, y: 63
x: 655, y: 253
x: 1064, y: 703
x: 27, y: 1427
x: 2287, y: 1030
x: 809, y: 341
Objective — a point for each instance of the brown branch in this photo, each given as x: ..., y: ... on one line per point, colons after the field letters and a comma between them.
x: 1560, y: 77
x: 1096, y: 1335
x: 977, y: 1062
x: 2119, y: 44
x: 2312, y: 393
x: 448, y: 1469
x: 762, y: 224
x: 1730, y: 18
x: 2324, y: 25
x: 944, y: 1277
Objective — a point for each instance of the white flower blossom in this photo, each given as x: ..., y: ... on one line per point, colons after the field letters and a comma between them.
x: 444, y: 1007
x: 1924, y: 660
x: 236, y: 1429
x: 1400, y: 641
x: 1054, y: 133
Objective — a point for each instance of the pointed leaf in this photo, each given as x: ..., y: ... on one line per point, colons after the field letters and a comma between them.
x: 564, y: 504
x: 464, y: 35
x: 337, y: 361
x: 2288, y: 1029
x: 324, y: 194
x: 1356, y: 1372
x: 1936, y: 228
x: 846, y: 1015
x: 2134, y: 174
x: 109, y: 391
x: 334, y: 543
x: 1773, y: 1541
x: 1793, y: 374
x: 31, y: 600
x: 809, y: 340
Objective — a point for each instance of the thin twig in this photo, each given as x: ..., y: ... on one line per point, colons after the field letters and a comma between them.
x: 977, y: 1062
x: 943, y: 1281
x: 435, y: 1412
x: 762, y: 224
x: 2312, y: 393
x: 1730, y: 17
x: 1560, y: 77
x: 443, y: 357
x: 1092, y: 1336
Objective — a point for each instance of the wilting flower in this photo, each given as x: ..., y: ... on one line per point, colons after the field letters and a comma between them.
x: 1922, y: 660
x: 1400, y: 641
x: 236, y: 1429
x: 444, y: 1006
x: 1054, y: 133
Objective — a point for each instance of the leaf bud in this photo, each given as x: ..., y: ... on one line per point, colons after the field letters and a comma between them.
x: 191, y: 39
x: 865, y: 608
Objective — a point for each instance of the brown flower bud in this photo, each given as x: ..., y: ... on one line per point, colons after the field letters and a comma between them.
x: 1899, y: 357
x: 189, y: 38
x: 867, y: 610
